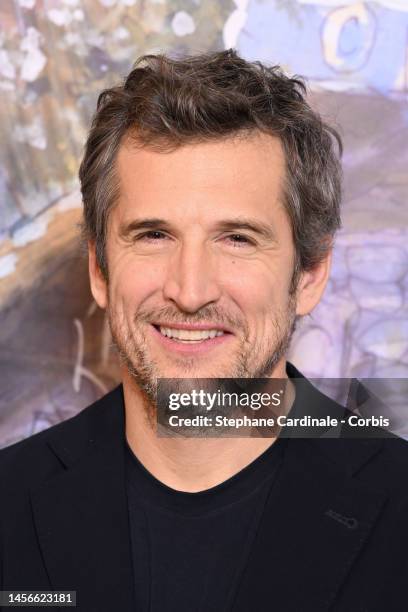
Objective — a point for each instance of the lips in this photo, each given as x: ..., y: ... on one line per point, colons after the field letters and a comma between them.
x: 190, y: 335
x: 193, y: 332
x: 185, y: 337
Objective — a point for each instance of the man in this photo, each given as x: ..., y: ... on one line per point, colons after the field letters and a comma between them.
x: 211, y: 198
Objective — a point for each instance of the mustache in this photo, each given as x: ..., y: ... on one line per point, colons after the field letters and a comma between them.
x: 207, y: 313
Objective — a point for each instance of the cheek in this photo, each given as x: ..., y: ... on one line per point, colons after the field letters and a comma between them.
x: 133, y: 282
x: 255, y: 286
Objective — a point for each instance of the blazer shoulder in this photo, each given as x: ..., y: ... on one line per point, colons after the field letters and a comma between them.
x: 31, y: 459
x: 395, y: 453
x: 387, y: 468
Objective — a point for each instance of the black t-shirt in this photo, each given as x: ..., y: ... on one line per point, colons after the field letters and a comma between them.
x: 190, y: 549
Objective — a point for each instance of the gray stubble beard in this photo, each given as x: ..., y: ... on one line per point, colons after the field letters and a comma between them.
x: 145, y: 373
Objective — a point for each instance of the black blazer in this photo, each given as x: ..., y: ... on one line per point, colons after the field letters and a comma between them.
x: 334, y: 535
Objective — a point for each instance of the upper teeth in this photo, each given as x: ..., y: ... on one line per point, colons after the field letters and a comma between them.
x: 189, y: 334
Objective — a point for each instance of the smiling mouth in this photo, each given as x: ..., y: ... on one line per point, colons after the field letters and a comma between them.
x: 189, y: 336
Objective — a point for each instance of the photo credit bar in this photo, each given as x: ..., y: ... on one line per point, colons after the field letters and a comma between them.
x: 272, y: 407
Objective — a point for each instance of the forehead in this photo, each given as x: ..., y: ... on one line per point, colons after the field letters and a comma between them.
x: 243, y: 172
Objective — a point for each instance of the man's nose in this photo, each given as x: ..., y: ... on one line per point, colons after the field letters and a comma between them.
x: 192, y: 278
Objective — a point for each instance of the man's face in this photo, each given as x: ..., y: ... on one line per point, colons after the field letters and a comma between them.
x: 200, y: 258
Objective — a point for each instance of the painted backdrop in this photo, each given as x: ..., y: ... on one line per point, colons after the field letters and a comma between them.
x: 56, y: 55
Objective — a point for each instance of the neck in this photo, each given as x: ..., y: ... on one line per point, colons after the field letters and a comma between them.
x: 189, y: 464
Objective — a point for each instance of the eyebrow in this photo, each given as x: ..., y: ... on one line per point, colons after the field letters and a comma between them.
x: 126, y: 229
x: 240, y: 223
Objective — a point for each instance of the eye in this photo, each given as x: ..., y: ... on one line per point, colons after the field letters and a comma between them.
x: 151, y: 236
x: 239, y: 240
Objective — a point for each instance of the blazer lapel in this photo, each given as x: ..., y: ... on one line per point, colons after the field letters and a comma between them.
x: 81, y: 514
x: 316, y: 521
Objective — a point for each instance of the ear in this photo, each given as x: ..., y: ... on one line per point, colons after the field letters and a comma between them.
x: 98, y: 282
x: 311, y: 286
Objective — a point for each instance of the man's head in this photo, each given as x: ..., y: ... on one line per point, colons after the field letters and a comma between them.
x: 211, y: 197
